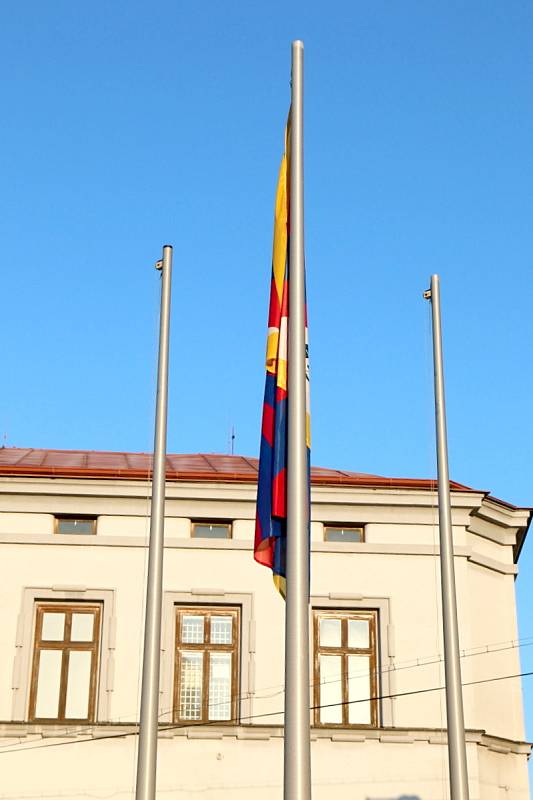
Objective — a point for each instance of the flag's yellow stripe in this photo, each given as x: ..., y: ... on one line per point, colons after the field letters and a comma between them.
x: 272, y: 350
x: 282, y: 374
x: 280, y: 584
x: 279, y: 249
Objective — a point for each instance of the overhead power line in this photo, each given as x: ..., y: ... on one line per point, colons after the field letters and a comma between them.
x: 22, y: 747
x: 422, y: 661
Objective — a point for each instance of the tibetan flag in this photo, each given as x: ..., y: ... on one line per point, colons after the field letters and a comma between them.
x: 271, y: 514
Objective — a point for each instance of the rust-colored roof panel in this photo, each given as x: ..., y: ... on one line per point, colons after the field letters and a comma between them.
x: 53, y: 458
x: 190, y: 466
x: 28, y: 457
x: 27, y: 462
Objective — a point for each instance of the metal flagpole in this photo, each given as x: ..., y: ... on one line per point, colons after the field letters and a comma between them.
x: 297, y: 748
x: 452, y: 664
x: 147, y: 757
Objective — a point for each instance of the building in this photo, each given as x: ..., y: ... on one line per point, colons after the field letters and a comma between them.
x: 73, y: 537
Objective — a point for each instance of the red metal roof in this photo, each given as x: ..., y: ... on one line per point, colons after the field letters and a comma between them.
x: 15, y: 461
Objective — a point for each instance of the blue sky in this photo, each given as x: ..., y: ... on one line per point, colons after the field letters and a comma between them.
x: 128, y: 125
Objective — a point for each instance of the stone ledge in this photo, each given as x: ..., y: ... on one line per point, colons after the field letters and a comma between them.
x: 389, y: 738
x: 205, y: 734
x: 26, y: 733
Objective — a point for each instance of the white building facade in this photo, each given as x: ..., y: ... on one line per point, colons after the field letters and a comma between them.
x: 73, y: 539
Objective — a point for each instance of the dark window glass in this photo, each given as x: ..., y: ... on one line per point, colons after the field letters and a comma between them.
x: 211, y: 530
x: 75, y: 525
x: 342, y: 534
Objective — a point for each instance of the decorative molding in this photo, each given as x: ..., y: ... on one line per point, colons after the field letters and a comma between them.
x: 24, y: 652
x: 391, y: 641
x: 494, y: 532
x: 204, y: 734
x: 432, y: 736
x: 385, y: 664
x: 491, y: 563
x: 391, y: 738
x: 205, y: 597
x: 66, y: 540
x: 499, y: 748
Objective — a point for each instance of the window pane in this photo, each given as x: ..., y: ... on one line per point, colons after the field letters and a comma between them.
x: 78, y: 684
x: 358, y: 633
x: 220, y: 686
x: 48, y: 682
x: 207, y: 531
x: 191, y: 686
x: 330, y: 689
x: 330, y: 632
x: 221, y: 630
x: 344, y: 534
x: 53, y: 629
x: 82, y: 627
x: 192, y: 629
x: 75, y: 526
x: 359, y: 690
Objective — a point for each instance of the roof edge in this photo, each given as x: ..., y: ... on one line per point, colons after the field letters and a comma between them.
x: 344, y: 479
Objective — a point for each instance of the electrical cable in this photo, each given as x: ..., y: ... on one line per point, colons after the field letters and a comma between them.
x: 424, y: 661
x: 180, y: 726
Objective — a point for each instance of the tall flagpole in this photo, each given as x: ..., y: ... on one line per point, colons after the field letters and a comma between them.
x: 147, y: 757
x: 297, y: 752
x: 452, y: 664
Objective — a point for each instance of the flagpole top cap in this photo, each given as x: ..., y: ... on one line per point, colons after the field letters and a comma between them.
x: 298, y: 43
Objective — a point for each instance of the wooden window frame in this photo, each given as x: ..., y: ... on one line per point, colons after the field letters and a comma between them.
x: 207, y: 647
x: 72, y: 517
x: 344, y: 651
x: 66, y: 646
x: 214, y: 522
x: 341, y: 527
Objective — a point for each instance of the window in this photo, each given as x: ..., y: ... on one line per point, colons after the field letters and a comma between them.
x: 206, y: 665
x: 343, y: 533
x: 211, y: 530
x: 75, y: 525
x: 65, y: 662
x: 345, y: 672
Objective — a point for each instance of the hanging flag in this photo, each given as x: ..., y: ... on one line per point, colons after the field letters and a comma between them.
x: 271, y: 513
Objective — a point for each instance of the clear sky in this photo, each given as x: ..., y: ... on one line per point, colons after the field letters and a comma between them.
x: 127, y: 125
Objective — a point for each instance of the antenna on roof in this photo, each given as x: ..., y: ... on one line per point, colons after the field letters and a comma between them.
x: 231, y: 440
x: 4, y: 442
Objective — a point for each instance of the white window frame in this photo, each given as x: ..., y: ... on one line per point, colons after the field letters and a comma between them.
x: 22, y: 666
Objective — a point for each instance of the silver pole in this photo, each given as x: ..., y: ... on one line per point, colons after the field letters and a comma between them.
x: 452, y: 664
x: 147, y: 757
x: 297, y: 748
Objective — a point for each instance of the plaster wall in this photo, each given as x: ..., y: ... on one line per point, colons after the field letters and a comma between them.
x: 396, y: 568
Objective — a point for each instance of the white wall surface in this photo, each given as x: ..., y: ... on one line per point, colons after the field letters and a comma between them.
x: 395, y: 568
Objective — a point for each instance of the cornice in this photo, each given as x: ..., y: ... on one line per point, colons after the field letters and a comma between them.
x: 34, y: 733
